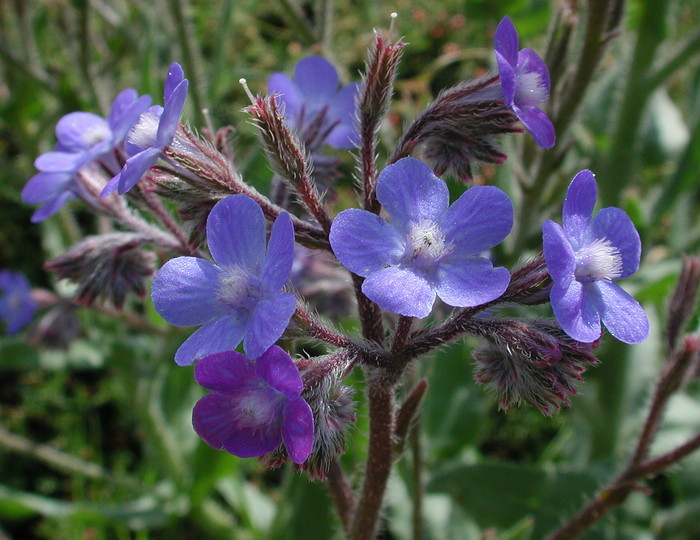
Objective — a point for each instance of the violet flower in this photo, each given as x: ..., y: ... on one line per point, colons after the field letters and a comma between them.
x: 584, y: 257
x: 254, y: 406
x: 153, y: 132
x: 83, y: 138
x: 524, y: 81
x: 17, y: 307
x: 430, y: 248
x: 237, y: 299
x: 314, y: 106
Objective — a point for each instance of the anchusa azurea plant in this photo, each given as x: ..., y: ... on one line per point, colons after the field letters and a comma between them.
x: 433, y: 253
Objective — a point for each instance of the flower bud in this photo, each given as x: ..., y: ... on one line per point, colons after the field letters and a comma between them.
x: 106, y: 267
x: 533, y: 361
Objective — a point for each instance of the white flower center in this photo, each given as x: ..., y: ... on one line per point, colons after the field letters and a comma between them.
x: 99, y: 132
x: 143, y: 134
x: 426, y: 244
x: 258, y: 408
x: 239, y: 290
x: 530, y: 89
x: 598, y: 260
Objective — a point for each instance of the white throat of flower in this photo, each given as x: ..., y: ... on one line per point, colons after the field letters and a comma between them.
x: 97, y: 133
x: 143, y: 134
x: 258, y: 408
x: 530, y: 89
x: 239, y: 290
x: 598, y: 260
x: 426, y: 243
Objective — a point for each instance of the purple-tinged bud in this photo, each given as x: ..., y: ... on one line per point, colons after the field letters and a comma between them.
x: 530, y: 284
x: 57, y: 328
x: 682, y: 367
x: 458, y: 129
x: 533, y: 361
x: 333, y: 409
x: 373, y: 105
x: 683, y: 300
x: 106, y: 267
x: 288, y: 156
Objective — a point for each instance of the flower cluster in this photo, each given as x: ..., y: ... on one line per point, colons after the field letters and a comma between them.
x: 409, y: 245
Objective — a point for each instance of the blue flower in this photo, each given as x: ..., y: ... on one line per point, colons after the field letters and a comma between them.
x: 583, y: 257
x: 83, y: 138
x: 16, y: 304
x: 237, y: 299
x: 314, y: 106
x: 430, y: 248
x: 254, y: 406
x: 153, y: 132
x: 524, y: 81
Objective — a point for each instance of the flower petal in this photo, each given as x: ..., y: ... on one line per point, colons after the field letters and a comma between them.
x: 225, y: 372
x: 52, y: 206
x: 121, y: 124
x: 216, y: 421
x: 615, y: 225
x: 342, y: 136
x: 59, y: 161
x: 480, y: 219
x: 185, y: 291
x: 280, y: 254
x: 364, y: 242
x: 288, y: 94
x: 505, y: 40
x: 575, y: 309
x: 410, y: 192
x: 621, y: 313
x: 530, y: 62
x: 401, y: 291
x: 219, y: 335
x: 278, y: 369
x: 470, y: 281
x: 578, y: 207
x: 317, y: 79
x: 172, y: 111
x: 172, y: 80
x: 560, y: 258
x: 236, y: 233
x: 298, y: 430
x: 268, y: 322
x: 506, y: 75
x: 78, y: 131
x: 45, y: 186
x: 134, y: 169
x: 538, y: 124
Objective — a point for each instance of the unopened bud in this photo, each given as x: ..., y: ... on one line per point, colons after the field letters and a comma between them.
x: 683, y: 300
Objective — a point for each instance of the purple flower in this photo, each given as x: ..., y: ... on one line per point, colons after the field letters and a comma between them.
x: 524, y: 81
x: 430, y: 248
x: 16, y: 304
x: 255, y: 405
x: 83, y: 137
x: 153, y: 132
x: 584, y: 257
x: 237, y: 299
x: 314, y: 106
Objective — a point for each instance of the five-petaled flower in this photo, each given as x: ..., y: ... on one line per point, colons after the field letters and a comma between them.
x: 152, y: 133
x: 524, y: 81
x: 255, y: 405
x: 83, y: 138
x: 314, y: 106
x: 430, y: 248
x: 584, y: 256
x: 237, y: 299
x: 16, y: 304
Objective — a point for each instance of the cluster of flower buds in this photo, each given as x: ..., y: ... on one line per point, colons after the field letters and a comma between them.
x: 259, y: 272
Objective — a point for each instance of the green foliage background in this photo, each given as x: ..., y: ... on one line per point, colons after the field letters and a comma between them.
x: 117, y: 457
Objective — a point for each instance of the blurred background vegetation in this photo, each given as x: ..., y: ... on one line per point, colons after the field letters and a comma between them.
x: 96, y: 441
